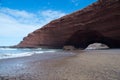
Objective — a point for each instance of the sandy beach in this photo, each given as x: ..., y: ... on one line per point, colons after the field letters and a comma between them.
x: 64, y: 65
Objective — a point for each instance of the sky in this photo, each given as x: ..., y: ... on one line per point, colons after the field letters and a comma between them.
x: 20, y: 17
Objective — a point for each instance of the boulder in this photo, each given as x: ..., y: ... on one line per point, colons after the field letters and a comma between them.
x: 69, y: 48
x: 97, y: 46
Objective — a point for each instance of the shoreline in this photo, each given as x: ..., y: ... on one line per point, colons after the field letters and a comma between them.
x: 64, y: 65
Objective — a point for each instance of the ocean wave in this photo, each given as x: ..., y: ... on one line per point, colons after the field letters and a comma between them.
x: 9, y: 55
x: 15, y: 52
x: 20, y: 48
x: 8, y: 48
x: 30, y: 48
x: 38, y: 52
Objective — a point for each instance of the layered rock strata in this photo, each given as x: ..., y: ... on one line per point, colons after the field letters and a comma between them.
x: 95, y: 23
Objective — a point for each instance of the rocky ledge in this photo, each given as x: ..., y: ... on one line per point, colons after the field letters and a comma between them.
x: 99, y: 22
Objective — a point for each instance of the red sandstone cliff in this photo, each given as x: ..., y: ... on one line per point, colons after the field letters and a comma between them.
x: 99, y: 22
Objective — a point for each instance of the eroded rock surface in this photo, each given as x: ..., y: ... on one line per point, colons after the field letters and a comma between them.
x: 97, y: 46
x: 99, y: 22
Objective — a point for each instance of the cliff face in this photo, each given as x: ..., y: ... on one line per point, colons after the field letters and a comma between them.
x: 99, y: 22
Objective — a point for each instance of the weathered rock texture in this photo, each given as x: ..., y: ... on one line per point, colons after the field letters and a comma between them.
x: 99, y: 22
x: 97, y: 46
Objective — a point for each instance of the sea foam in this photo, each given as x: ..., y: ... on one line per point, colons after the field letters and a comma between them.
x: 16, y: 52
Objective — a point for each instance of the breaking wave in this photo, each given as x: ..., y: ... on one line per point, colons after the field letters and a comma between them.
x: 14, y: 55
x: 14, y: 52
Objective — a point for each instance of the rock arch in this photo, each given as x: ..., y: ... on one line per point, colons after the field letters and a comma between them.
x: 82, y: 38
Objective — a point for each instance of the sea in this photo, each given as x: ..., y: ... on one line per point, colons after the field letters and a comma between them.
x: 21, y: 52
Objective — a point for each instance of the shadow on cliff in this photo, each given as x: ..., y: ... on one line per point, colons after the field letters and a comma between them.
x: 82, y: 38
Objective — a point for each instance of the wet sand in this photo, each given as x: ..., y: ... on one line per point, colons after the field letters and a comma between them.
x: 64, y: 65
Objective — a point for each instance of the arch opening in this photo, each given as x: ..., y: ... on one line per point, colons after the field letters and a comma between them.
x: 81, y: 39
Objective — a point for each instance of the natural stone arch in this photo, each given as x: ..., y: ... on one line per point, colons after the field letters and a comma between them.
x: 82, y: 38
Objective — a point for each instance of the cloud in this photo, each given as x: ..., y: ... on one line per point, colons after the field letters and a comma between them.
x: 52, y: 14
x: 16, y: 24
x: 17, y: 13
x: 48, y: 15
x: 75, y: 2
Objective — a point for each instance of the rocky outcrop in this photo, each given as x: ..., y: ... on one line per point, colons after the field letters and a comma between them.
x: 68, y: 48
x: 97, y: 46
x: 99, y: 22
